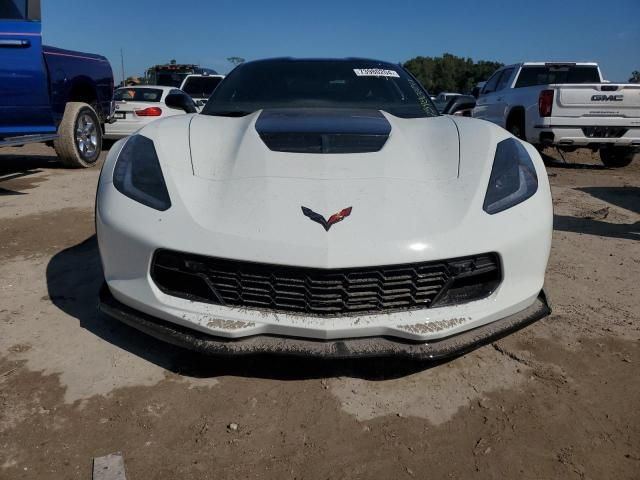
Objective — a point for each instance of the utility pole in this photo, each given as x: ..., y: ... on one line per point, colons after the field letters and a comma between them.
x: 122, y: 65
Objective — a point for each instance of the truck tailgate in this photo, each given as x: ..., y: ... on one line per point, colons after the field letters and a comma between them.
x: 597, y: 100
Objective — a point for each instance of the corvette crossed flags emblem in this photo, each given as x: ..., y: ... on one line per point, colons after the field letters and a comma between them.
x: 333, y: 219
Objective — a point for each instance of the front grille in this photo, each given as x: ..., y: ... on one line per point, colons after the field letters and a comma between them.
x: 325, y: 292
x: 604, y: 132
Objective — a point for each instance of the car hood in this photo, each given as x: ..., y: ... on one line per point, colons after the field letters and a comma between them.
x: 408, y: 200
x: 224, y: 148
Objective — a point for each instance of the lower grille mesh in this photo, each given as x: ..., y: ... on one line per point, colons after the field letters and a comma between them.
x: 325, y: 292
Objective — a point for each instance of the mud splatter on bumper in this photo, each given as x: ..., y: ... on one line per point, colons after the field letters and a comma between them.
x: 343, y: 348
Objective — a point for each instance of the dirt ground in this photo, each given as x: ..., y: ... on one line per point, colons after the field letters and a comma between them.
x: 559, y: 399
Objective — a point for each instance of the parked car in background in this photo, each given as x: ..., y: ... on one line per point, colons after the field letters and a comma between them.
x: 200, y: 87
x: 138, y: 106
x: 442, y: 99
x: 475, y: 91
x: 49, y: 94
x: 461, y: 105
x: 568, y: 105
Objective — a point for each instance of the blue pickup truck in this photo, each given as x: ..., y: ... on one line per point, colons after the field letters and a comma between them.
x: 49, y: 94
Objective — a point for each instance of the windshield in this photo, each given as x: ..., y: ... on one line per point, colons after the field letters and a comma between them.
x: 138, y: 94
x: 201, y: 87
x: 286, y: 83
x: 549, y: 74
x: 13, y: 9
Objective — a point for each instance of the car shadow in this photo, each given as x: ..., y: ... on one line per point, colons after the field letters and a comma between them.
x: 74, y: 278
x: 15, y: 171
x: 15, y: 176
x: 626, y: 197
x: 623, y: 197
x: 12, y: 163
x: 627, y: 231
x: 549, y: 161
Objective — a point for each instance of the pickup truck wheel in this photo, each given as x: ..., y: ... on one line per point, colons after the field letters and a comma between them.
x: 617, y: 157
x: 80, y: 136
x: 515, y: 126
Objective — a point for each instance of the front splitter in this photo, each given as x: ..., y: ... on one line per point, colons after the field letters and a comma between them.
x: 344, y: 348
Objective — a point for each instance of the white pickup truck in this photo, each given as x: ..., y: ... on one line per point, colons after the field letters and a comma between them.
x: 567, y: 105
x: 200, y: 87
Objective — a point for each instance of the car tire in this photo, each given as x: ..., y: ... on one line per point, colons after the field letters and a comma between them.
x: 515, y: 125
x: 79, y: 141
x: 617, y: 157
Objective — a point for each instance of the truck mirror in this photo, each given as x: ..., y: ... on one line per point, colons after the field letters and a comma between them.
x: 33, y: 10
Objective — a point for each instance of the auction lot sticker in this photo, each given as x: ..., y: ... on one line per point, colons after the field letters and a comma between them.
x: 375, y: 72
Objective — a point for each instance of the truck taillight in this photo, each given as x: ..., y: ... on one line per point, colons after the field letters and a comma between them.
x: 545, y: 103
x: 149, y: 112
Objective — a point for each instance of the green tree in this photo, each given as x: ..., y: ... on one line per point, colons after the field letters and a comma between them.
x: 450, y: 73
x: 635, y: 77
x: 235, y: 61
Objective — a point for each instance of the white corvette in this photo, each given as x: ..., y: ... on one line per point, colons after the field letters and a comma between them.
x: 325, y: 208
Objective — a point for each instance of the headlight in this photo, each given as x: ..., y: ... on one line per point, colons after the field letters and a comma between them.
x: 138, y: 174
x: 513, y: 177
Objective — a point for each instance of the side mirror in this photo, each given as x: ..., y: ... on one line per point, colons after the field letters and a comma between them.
x: 33, y: 10
x: 180, y: 102
x: 475, y: 92
x: 461, y: 105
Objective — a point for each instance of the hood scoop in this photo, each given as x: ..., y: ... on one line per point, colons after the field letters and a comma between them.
x: 314, y: 130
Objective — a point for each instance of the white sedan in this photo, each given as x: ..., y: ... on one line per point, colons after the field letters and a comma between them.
x: 324, y: 208
x: 136, y: 107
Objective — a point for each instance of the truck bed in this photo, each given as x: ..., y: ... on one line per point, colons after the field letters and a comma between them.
x: 71, y: 72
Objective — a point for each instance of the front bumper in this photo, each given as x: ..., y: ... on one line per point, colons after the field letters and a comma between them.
x: 401, y: 222
x: 343, y: 348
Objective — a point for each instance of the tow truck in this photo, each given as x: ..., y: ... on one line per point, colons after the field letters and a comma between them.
x: 172, y: 74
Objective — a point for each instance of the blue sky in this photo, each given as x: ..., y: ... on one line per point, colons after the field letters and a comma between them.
x: 207, y: 32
